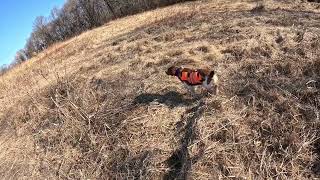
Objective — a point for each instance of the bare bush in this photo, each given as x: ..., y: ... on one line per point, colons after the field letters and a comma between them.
x: 77, y: 16
x: 3, y: 69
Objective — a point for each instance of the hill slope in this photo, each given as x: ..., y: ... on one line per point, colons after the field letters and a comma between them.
x: 101, y: 106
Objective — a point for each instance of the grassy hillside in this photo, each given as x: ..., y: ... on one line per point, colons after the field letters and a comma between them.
x: 101, y: 106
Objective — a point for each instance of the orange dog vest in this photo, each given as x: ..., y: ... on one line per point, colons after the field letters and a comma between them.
x: 192, y: 78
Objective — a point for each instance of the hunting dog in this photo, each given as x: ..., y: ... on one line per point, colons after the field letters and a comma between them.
x: 195, y: 77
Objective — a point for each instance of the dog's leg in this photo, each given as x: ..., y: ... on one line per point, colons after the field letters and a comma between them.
x: 207, y: 86
x: 212, y: 88
x: 190, y: 89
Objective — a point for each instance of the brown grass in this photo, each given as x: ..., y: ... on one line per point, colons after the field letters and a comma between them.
x: 100, y: 106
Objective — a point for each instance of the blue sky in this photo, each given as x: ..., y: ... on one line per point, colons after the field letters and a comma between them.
x: 17, y: 17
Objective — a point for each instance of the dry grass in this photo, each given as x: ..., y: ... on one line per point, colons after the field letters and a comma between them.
x: 100, y: 106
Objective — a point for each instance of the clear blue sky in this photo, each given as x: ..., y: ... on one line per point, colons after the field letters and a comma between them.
x: 17, y: 17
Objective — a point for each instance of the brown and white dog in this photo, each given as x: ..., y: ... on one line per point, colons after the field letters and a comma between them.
x: 195, y: 77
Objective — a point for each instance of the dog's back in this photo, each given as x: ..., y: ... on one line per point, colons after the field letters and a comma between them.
x: 194, y: 77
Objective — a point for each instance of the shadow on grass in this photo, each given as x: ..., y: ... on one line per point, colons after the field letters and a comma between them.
x: 180, y: 162
x: 171, y: 99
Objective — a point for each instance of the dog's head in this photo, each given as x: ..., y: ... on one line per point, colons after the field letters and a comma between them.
x: 172, y: 71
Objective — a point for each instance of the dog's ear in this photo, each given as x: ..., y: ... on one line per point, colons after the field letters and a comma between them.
x: 171, y: 70
x: 212, y: 76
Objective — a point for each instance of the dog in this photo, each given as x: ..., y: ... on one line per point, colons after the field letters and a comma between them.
x: 195, y: 77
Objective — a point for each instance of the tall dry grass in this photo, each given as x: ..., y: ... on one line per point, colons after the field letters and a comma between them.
x: 101, y: 107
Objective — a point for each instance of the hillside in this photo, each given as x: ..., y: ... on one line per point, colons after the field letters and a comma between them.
x: 100, y: 106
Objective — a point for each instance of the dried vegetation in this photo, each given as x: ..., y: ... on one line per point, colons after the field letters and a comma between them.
x: 100, y: 105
